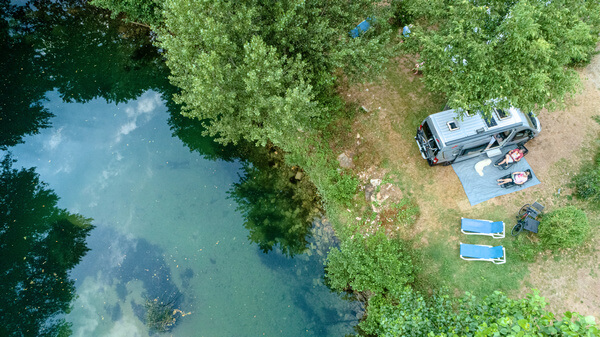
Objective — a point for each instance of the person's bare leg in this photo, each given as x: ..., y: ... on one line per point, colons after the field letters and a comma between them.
x: 505, y: 161
x: 504, y: 181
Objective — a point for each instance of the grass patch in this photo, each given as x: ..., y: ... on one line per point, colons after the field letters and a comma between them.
x: 443, y: 267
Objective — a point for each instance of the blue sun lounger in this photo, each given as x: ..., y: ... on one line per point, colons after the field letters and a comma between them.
x: 469, y: 252
x: 482, y: 227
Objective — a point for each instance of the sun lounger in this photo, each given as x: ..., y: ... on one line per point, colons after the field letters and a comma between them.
x: 469, y: 252
x: 482, y: 227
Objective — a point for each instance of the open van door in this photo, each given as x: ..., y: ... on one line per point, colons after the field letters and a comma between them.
x: 427, y: 143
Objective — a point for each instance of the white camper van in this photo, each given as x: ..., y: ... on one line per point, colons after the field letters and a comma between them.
x: 443, y: 138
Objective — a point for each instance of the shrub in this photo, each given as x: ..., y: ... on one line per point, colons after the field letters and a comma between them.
x: 408, y: 212
x: 376, y: 264
x: 343, y: 187
x: 565, y: 227
x: 413, y: 315
x: 587, y: 182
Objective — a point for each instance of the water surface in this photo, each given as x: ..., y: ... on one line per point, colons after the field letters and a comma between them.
x: 165, y: 229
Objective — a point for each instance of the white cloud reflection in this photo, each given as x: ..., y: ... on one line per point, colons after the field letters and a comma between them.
x: 55, y: 139
x: 145, y: 107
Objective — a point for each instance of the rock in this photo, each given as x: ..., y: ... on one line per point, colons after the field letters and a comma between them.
x: 381, y: 198
x: 345, y: 161
x: 369, y: 189
x: 375, y: 182
x: 298, y: 175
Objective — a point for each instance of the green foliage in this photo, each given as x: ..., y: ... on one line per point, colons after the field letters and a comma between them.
x: 412, y: 314
x: 408, y: 212
x: 406, y: 314
x: 501, y: 53
x: 402, y: 16
x: 587, y: 182
x: 373, y: 263
x: 343, y: 187
x: 264, y: 71
x: 142, y: 11
x: 565, y: 227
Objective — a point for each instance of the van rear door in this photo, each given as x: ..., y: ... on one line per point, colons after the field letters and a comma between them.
x: 426, y: 142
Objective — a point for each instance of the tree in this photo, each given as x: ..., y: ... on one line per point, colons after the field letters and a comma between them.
x: 499, y: 53
x: 39, y: 244
x: 374, y: 264
x: 565, y: 227
x: 264, y: 71
x: 412, y: 315
x: 145, y: 12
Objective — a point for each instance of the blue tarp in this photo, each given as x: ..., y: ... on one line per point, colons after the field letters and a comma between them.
x: 362, y: 27
x: 481, y: 188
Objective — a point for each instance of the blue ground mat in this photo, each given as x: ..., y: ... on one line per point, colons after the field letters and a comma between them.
x: 481, y: 188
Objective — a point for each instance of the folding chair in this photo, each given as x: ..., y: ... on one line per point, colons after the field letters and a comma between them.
x: 470, y: 252
x: 482, y: 227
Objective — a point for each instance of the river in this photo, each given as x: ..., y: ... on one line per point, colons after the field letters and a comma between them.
x: 168, y: 225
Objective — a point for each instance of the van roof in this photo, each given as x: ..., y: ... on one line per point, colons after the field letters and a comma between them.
x: 450, y: 127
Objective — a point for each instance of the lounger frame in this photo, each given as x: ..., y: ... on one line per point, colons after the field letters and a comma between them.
x: 495, y: 235
x: 501, y: 260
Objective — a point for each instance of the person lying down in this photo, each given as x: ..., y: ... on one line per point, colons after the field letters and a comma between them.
x: 518, y: 178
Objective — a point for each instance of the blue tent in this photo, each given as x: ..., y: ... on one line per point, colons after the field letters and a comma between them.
x: 361, y: 28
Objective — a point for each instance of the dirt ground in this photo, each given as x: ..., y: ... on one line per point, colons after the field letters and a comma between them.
x: 382, y: 141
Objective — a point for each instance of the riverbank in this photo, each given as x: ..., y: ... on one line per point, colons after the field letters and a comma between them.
x: 377, y: 147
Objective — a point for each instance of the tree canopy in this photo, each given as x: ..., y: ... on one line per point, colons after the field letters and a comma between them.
x: 499, y: 53
x: 412, y: 315
x: 264, y: 71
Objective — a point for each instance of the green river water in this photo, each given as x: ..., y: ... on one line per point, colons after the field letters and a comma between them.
x: 166, y: 224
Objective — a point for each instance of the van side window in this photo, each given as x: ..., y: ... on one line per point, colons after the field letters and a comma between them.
x: 521, y: 135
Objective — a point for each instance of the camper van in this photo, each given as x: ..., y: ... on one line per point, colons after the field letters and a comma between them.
x: 444, y: 138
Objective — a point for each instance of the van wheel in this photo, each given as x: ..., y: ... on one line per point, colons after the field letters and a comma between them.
x: 448, y: 163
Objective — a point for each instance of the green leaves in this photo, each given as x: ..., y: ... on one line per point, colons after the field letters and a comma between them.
x: 516, y: 53
x: 264, y: 71
x: 411, y: 314
x: 371, y: 263
x: 566, y: 227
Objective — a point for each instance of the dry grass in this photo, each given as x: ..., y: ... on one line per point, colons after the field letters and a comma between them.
x: 381, y: 143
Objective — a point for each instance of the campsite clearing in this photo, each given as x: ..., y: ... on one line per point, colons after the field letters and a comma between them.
x: 380, y: 141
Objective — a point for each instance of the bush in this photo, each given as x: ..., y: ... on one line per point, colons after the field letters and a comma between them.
x: 343, y: 187
x: 413, y: 315
x: 376, y: 264
x: 402, y: 16
x: 587, y: 183
x: 565, y: 227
